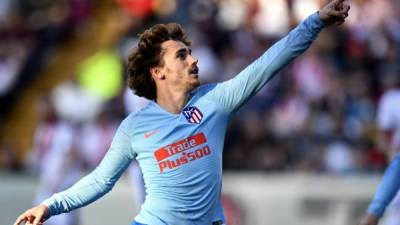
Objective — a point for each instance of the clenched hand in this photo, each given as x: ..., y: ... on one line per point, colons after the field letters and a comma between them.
x: 335, y: 12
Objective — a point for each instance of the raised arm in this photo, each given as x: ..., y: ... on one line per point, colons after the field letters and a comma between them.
x: 89, y: 188
x: 387, y: 189
x: 233, y: 93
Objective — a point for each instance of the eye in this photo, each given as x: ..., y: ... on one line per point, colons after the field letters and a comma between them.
x: 181, y: 55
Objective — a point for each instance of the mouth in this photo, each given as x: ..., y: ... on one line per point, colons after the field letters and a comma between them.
x: 194, y: 70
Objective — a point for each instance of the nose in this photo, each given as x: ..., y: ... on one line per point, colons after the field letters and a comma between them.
x: 192, y: 60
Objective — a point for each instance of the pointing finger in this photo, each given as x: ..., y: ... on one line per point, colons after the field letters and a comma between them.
x: 344, y: 12
x: 338, y: 4
x: 338, y: 1
x: 345, y: 8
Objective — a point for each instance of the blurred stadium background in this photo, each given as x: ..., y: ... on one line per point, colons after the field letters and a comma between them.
x: 304, y: 150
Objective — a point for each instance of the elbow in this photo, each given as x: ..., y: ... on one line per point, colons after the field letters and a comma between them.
x: 104, y: 180
x: 105, y: 184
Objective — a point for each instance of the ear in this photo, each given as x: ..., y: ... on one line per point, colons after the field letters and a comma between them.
x: 157, y: 73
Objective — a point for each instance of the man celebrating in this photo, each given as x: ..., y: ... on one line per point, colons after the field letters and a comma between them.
x: 178, y: 138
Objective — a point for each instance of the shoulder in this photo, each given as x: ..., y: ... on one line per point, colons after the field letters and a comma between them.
x: 204, y: 89
x: 130, y: 121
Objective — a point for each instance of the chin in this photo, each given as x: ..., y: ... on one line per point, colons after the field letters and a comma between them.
x: 194, y: 84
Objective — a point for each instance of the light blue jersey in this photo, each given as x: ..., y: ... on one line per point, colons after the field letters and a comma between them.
x: 181, y: 154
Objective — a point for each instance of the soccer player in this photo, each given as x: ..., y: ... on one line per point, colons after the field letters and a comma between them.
x: 388, y: 120
x: 178, y: 138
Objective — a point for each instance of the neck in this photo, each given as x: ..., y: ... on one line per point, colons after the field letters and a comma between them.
x: 173, y: 102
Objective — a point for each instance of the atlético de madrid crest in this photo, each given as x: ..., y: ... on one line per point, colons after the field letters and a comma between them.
x: 192, y: 114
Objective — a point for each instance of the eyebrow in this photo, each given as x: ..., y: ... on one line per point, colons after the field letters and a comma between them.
x: 183, y: 50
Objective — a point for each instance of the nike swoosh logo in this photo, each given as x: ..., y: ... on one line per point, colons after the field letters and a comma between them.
x: 149, y: 134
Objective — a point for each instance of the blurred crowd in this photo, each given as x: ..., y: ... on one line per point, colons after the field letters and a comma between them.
x: 29, y: 30
x: 317, y: 115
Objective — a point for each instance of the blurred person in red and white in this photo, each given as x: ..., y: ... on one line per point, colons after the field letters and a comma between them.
x: 56, y: 158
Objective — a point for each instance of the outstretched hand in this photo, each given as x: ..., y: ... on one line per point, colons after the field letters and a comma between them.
x: 335, y: 12
x: 369, y: 219
x: 34, y: 216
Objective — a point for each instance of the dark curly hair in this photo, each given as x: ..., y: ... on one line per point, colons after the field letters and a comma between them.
x: 148, y: 54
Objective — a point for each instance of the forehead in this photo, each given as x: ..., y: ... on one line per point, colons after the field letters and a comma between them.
x: 171, y: 46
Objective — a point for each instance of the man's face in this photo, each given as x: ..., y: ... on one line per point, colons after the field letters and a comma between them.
x: 180, y: 67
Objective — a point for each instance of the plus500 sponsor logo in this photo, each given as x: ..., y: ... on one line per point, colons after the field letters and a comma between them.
x: 184, y: 148
x: 185, y: 158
